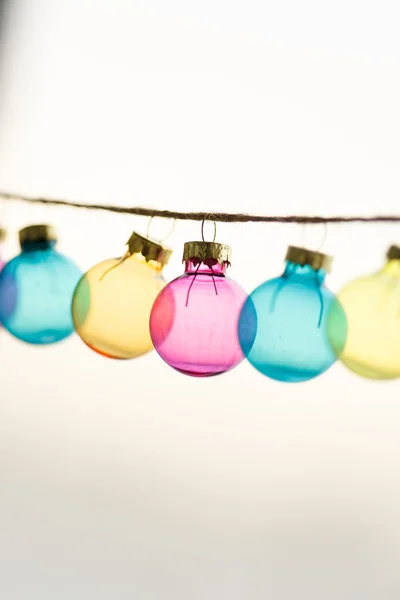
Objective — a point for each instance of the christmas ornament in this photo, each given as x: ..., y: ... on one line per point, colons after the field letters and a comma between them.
x: 372, y: 307
x: 283, y: 326
x: 36, y: 289
x: 112, y: 302
x: 193, y: 322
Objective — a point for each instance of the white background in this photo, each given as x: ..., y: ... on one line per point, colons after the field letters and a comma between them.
x: 127, y: 480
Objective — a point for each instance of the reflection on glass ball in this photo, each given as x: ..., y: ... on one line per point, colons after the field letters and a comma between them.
x: 193, y: 322
x: 36, y: 290
x: 111, y: 306
x: 372, y: 306
x: 283, y: 326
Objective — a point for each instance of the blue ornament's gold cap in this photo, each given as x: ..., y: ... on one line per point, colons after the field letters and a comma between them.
x: 316, y: 260
x: 37, y: 233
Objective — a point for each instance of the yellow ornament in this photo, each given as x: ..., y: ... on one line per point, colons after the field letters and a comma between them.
x: 372, y: 307
x: 112, y: 302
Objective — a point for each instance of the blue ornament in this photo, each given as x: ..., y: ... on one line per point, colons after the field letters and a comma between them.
x: 36, y: 289
x: 289, y: 325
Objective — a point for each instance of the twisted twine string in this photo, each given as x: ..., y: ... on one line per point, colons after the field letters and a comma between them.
x: 221, y: 217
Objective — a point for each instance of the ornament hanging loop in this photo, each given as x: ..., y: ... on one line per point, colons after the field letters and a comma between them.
x: 202, y: 229
x: 148, y: 226
x: 306, y: 242
x: 168, y: 235
x: 324, y: 236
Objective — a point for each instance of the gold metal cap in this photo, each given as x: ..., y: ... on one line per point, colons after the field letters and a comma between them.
x: 316, y: 260
x: 3, y: 234
x: 37, y: 233
x: 202, y: 251
x: 393, y: 253
x: 149, y: 249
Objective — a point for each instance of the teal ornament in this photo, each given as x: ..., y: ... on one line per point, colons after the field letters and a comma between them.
x: 36, y: 289
x: 283, y: 325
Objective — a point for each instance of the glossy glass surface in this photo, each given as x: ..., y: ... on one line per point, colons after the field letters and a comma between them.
x: 111, y: 306
x: 283, y: 327
x: 36, y: 290
x: 193, y: 323
x: 372, y: 306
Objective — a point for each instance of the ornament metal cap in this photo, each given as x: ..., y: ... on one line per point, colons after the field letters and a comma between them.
x: 316, y: 260
x: 3, y: 234
x: 149, y: 249
x: 37, y: 233
x: 393, y: 253
x: 202, y: 251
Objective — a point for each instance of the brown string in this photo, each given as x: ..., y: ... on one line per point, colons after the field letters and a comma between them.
x: 205, y: 216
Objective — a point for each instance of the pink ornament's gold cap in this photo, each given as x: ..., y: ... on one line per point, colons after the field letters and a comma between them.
x: 393, y: 253
x: 149, y: 249
x: 316, y: 260
x: 37, y: 233
x: 202, y: 251
x: 3, y: 234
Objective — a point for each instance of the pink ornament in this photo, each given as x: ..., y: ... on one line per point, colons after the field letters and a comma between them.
x: 194, y: 320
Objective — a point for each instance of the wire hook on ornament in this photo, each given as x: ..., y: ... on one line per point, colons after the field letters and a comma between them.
x: 169, y: 233
x: 202, y: 228
x: 309, y: 244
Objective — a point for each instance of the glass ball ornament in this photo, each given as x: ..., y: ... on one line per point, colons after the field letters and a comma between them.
x: 112, y: 302
x: 372, y: 307
x: 36, y: 289
x: 193, y: 322
x: 283, y: 326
